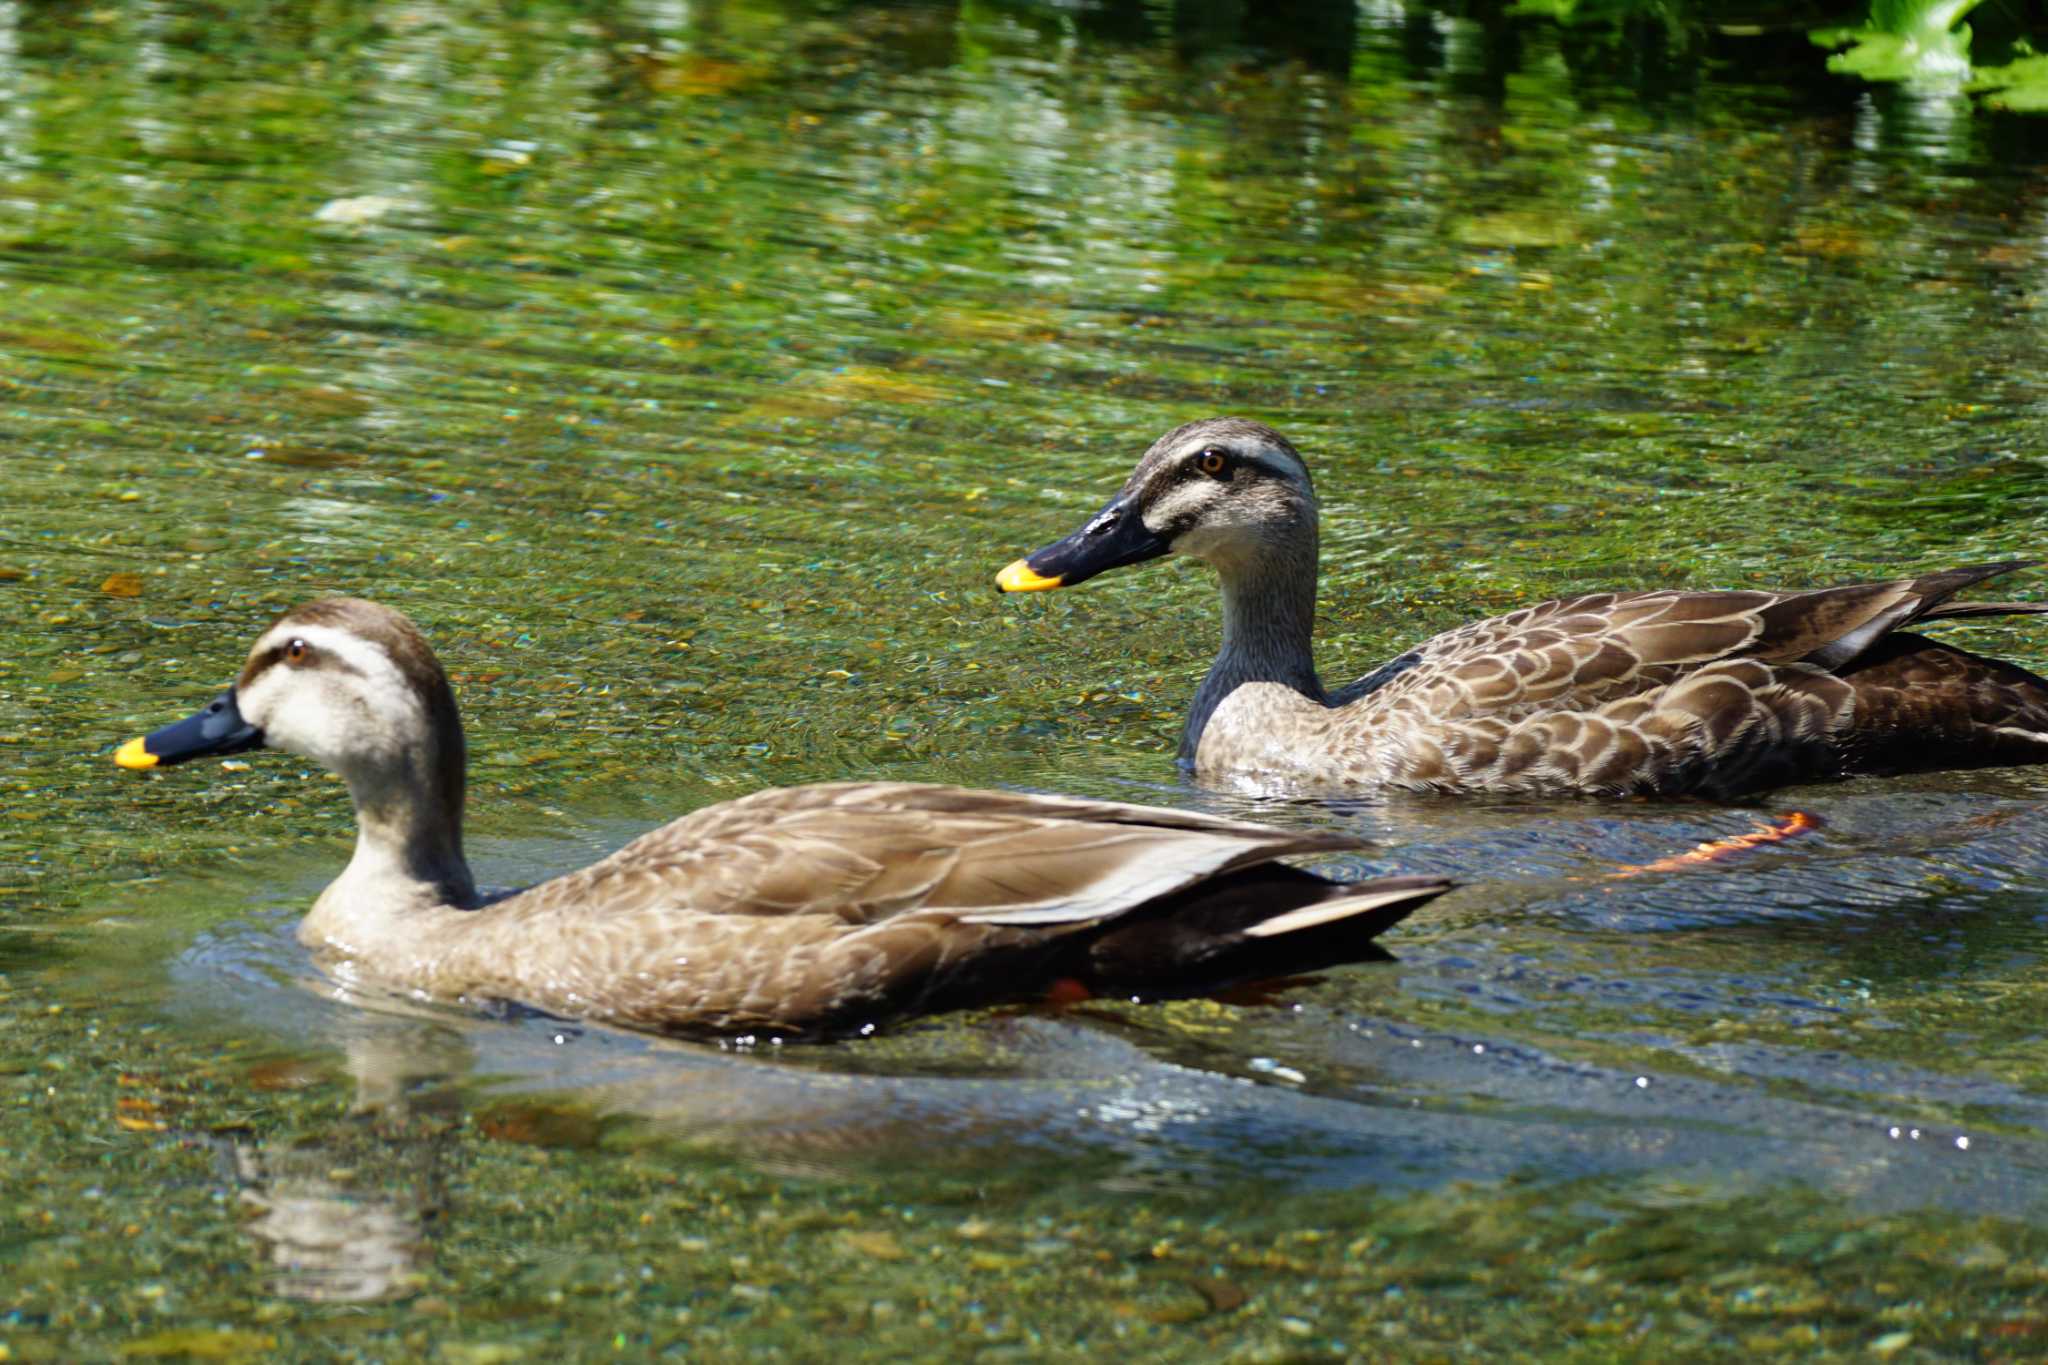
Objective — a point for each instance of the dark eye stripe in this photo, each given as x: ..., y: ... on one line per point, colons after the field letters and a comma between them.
x: 275, y: 655
x: 1191, y: 467
x: 259, y: 665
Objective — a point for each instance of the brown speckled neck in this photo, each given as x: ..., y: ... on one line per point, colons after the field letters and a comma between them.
x: 1269, y: 612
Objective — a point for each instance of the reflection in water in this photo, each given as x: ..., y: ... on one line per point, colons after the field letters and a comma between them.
x: 344, y: 1215
x: 689, y: 366
x: 329, y: 1240
x: 1695, y: 1035
x: 1144, y: 1105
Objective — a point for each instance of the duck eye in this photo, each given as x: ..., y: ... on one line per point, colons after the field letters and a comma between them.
x: 297, y: 651
x: 1214, y: 463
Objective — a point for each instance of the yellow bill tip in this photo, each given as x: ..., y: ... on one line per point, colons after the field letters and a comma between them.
x: 134, y: 755
x: 1018, y: 577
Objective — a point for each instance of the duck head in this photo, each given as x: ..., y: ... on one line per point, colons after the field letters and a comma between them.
x: 1229, y: 491
x: 351, y: 685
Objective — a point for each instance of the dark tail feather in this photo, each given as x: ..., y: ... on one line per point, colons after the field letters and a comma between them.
x: 1949, y: 611
x: 1936, y: 589
x: 1266, y: 921
x: 1922, y: 705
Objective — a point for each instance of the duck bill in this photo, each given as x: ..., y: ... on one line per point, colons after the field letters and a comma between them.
x: 219, y: 729
x: 1113, y: 537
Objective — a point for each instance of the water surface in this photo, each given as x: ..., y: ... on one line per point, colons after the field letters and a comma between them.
x: 687, y: 371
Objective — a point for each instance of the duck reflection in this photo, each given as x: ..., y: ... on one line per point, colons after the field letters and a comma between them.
x: 346, y: 1216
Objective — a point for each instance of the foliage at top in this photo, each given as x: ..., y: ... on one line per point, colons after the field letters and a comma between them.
x: 1921, y: 43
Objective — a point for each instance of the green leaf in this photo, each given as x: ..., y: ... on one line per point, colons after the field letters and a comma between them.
x: 2020, y: 86
x: 1913, y: 41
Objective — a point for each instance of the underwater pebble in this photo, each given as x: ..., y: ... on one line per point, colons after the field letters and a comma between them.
x: 357, y: 209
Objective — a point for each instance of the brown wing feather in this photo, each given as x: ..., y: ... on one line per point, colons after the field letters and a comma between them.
x: 1833, y: 626
x: 1574, y: 652
x: 814, y: 909
x: 861, y: 852
x: 1584, y: 652
x: 1718, y: 693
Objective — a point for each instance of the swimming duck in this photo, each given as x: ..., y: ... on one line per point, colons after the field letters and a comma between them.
x: 1623, y: 693
x: 799, y: 912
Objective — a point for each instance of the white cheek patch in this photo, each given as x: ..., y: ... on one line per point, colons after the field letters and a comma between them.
x: 349, y: 704
x: 300, y: 711
x: 1175, y: 506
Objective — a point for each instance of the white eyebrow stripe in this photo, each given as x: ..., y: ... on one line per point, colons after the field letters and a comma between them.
x: 364, y: 656
x: 1289, y: 470
x: 1173, y: 504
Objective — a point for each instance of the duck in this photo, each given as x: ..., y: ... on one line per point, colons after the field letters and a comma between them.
x: 792, y: 913
x: 1717, y: 694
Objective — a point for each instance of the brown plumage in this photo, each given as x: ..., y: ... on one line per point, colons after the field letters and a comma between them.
x: 1717, y: 693
x: 798, y: 912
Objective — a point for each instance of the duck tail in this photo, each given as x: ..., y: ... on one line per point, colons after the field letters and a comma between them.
x: 1388, y: 900
x: 1955, y: 610
x: 1936, y: 590
x: 1266, y: 921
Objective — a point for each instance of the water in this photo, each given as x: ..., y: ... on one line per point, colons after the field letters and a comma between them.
x: 687, y: 373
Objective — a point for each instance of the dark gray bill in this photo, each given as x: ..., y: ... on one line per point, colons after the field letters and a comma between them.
x: 219, y: 729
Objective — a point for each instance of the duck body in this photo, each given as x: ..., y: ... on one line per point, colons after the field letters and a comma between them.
x: 829, y: 909
x: 1642, y: 694
x: 1719, y: 693
x: 800, y: 912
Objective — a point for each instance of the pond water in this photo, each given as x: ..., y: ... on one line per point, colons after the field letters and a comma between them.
x: 687, y: 371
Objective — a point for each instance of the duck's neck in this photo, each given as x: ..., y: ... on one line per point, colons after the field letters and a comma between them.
x: 1269, y: 613
x: 408, y: 861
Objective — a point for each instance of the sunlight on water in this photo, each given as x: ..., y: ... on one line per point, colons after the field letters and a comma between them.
x: 688, y: 370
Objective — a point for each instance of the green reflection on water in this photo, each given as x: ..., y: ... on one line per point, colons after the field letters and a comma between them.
x: 688, y: 374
